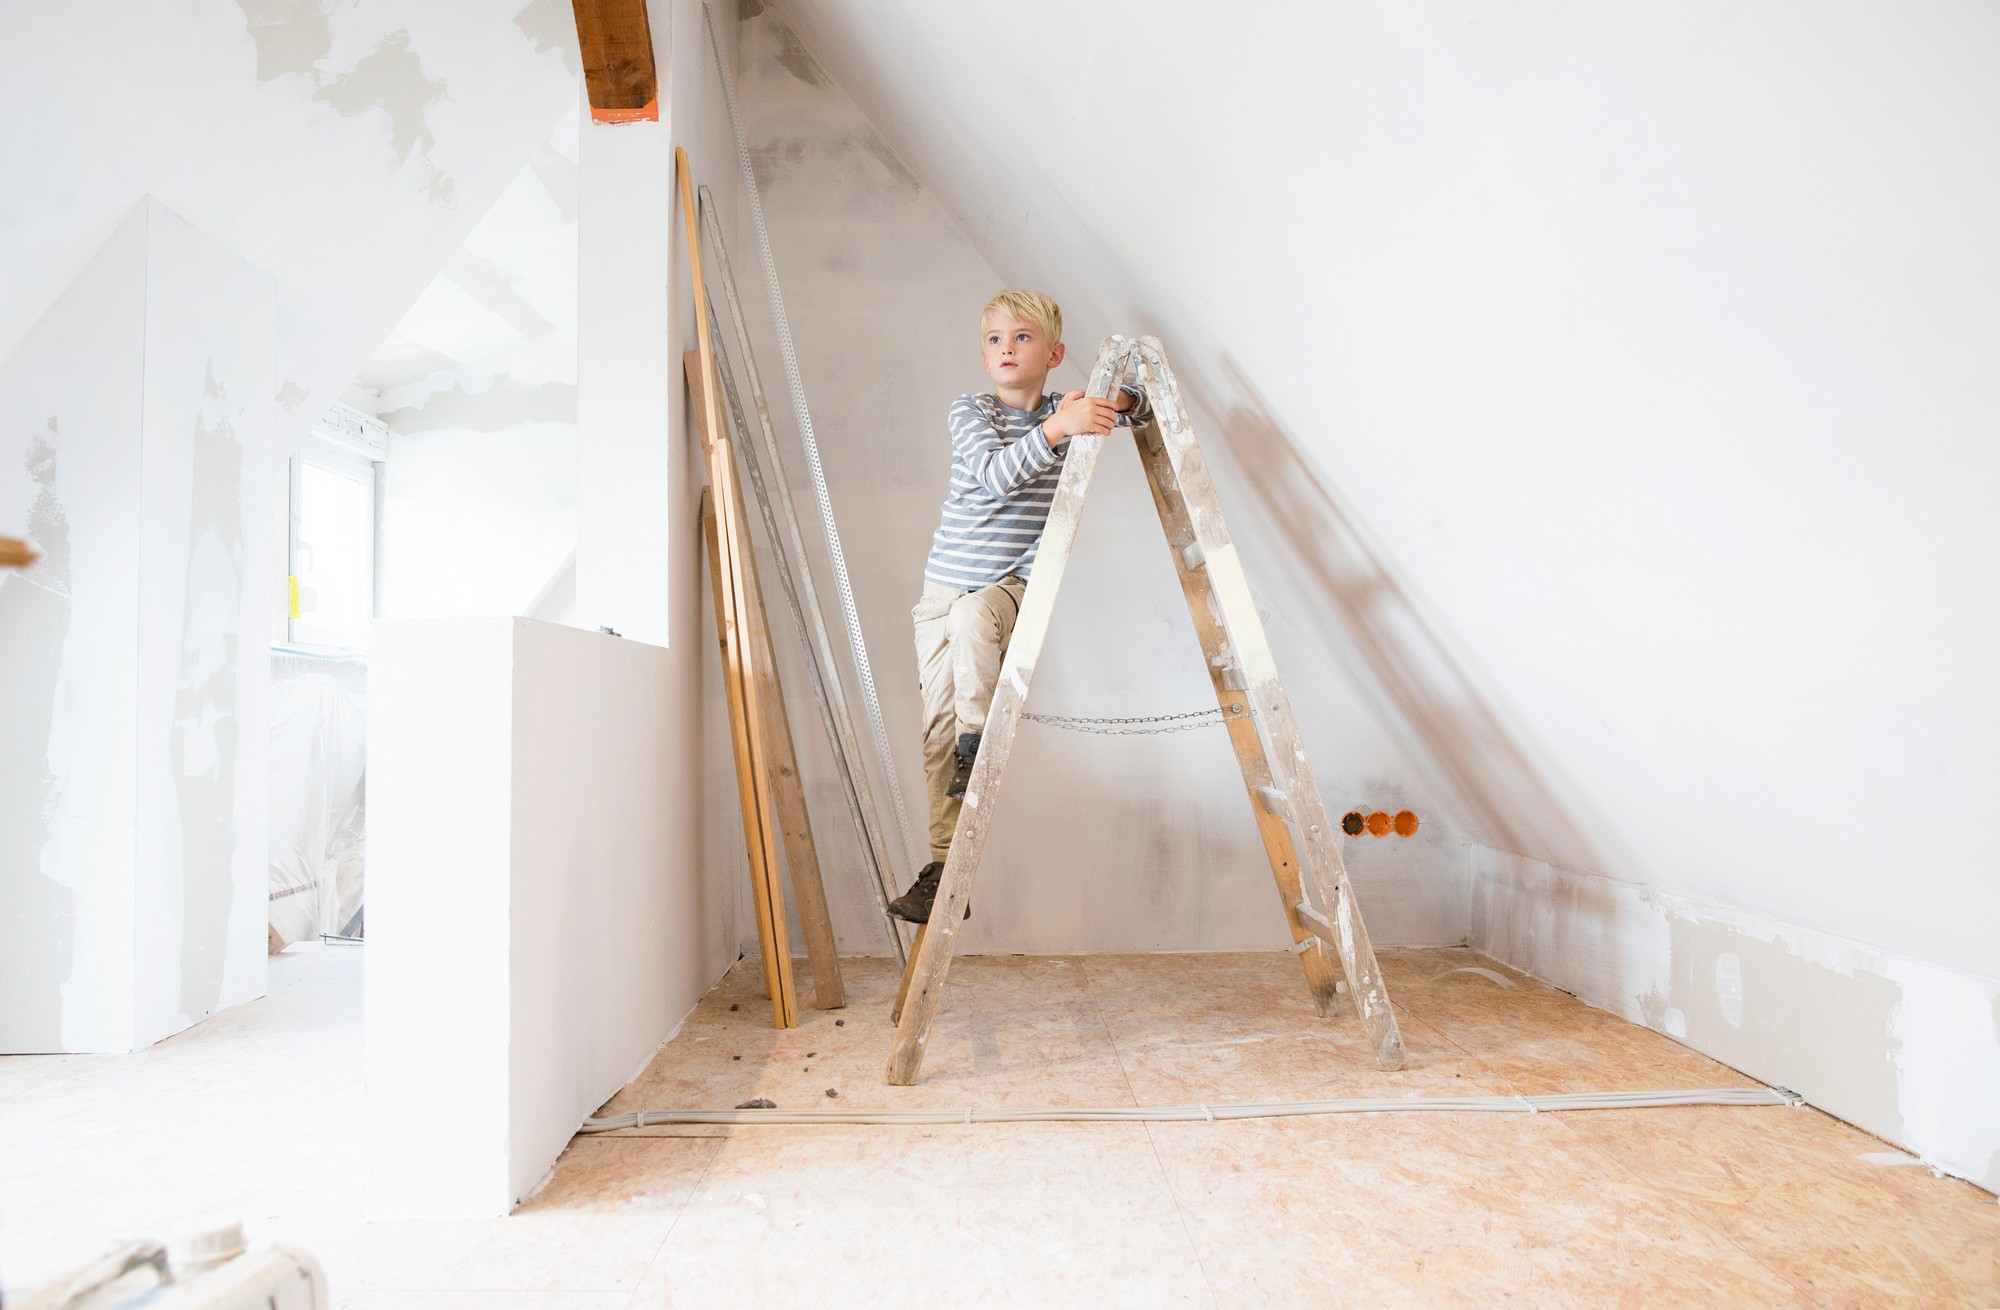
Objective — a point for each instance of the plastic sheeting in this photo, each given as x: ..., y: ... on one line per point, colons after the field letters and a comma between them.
x: 319, y: 714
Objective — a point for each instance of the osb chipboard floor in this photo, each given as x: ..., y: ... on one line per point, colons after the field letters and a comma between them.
x: 1703, y: 1206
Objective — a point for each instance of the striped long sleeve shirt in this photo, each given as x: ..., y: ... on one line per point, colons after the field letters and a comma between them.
x: 1003, y: 480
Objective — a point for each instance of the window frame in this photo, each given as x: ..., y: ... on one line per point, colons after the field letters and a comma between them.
x: 302, y: 634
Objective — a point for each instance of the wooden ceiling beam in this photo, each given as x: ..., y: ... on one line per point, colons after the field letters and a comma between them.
x: 618, y: 68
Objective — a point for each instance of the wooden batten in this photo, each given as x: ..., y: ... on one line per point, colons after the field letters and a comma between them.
x: 618, y: 72
x: 16, y: 553
x: 784, y: 789
x: 746, y: 719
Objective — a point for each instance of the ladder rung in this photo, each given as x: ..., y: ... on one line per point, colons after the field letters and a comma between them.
x: 1318, y: 924
x: 1194, y: 556
x: 1275, y: 802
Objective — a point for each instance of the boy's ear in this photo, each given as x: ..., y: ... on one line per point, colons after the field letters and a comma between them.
x: 1056, y: 355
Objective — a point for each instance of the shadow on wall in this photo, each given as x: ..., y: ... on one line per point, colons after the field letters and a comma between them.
x: 1348, y: 598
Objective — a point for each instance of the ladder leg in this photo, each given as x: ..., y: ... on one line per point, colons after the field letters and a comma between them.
x: 909, y: 972
x: 929, y: 964
x: 1322, y: 975
x: 788, y: 798
x: 1293, y: 794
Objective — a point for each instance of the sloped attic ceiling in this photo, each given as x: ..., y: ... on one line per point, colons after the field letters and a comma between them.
x: 344, y: 148
x: 1613, y: 388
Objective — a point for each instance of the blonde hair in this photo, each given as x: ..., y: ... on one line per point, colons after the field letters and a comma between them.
x: 1029, y: 307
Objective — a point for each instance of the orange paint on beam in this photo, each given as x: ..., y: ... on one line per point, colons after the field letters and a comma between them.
x: 617, y: 44
x: 646, y: 113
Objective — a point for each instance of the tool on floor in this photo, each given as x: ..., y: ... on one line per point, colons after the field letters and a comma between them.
x: 206, y: 1267
x: 1291, y: 815
x: 767, y: 771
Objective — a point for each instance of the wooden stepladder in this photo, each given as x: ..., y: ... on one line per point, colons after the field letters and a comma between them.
x: 1299, y: 837
x: 767, y: 770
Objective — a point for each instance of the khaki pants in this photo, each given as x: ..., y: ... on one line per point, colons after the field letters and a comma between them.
x: 961, y: 641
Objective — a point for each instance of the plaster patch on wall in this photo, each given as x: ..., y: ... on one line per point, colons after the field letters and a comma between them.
x: 1948, y: 1058
x: 560, y: 177
x: 1902, y: 1048
x: 1797, y: 1018
x: 391, y: 78
x: 34, y: 623
x: 291, y: 395
x: 551, y: 25
x: 891, y: 163
x: 204, y: 735
x: 494, y: 289
x: 795, y: 59
x: 292, y: 36
x: 504, y: 404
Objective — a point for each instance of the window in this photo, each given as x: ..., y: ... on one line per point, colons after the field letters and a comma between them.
x: 332, y: 549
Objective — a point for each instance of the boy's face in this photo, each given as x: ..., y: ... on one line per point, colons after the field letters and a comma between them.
x: 1016, y: 353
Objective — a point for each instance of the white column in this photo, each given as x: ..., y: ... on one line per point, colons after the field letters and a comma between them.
x: 628, y: 380
x: 135, y: 442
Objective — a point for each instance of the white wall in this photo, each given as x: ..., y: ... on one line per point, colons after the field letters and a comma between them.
x: 539, y: 917
x: 478, y: 387
x: 134, y: 424
x: 1103, y: 843
x: 1612, y: 388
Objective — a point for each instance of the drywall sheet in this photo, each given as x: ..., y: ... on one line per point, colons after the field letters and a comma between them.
x: 539, y: 917
x: 71, y: 400
x: 139, y: 421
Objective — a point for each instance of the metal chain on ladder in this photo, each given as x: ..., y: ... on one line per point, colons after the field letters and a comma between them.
x: 1144, y: 725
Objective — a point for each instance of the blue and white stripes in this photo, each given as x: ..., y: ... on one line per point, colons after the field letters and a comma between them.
x: 1003, y: 479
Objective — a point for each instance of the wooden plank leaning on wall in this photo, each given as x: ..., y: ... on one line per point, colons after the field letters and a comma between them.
x: 785, y: 788
x: 767, y: 775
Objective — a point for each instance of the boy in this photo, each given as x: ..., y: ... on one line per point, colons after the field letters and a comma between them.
x: 1007, y: 452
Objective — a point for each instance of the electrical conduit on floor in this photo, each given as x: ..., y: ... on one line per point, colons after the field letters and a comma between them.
x: 1745, y: 1096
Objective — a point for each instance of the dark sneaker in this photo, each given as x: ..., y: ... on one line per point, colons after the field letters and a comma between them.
x: 915, y: 904
x: 962, y: 757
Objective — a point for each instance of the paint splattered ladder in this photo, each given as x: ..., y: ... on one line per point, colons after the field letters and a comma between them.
x: 1291, y: 816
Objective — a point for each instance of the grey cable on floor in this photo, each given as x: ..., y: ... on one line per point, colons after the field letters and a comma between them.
x: 1208, y: 1113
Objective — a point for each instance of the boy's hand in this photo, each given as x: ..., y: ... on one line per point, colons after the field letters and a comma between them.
x: 1078, y: 414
